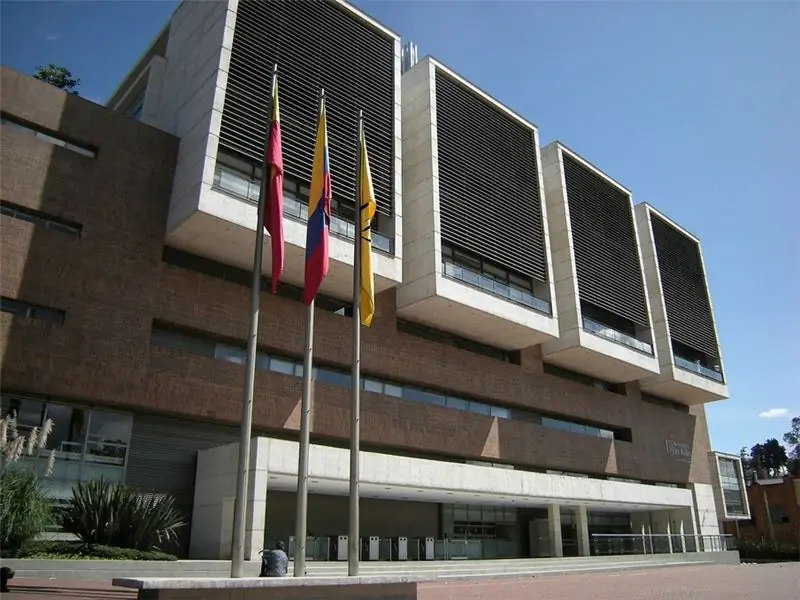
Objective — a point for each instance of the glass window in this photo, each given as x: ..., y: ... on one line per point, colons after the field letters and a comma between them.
x: 262, y: 362
x: 370, y: 385
x: 523, y: 283
x: 494, y: 272
x: 593, y: 431
x: 500, y: 412
x: 69, y: 431
x: 555, y: 424
x: 29, y: 413
x: 457, y: 403
x: 479, y: 408
x: 109, y: 434
x: 393, y: 390
x: 281, y: 366
x: 332, y: 377
x: 422, y: 396
x: 229, y: 354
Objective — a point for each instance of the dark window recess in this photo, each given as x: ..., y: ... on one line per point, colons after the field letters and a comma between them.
x: 604, y: 238
x: 32, y: 311
x: 182, y: 340
x: 316, y: 45
x: 684, y: 283
x: 450, y: 339
x: 47, y: 135
x: 497, y: 217
x: 563, y: 373
x: 212, y: 268
x: 39, y: 218
x: 664, y: 402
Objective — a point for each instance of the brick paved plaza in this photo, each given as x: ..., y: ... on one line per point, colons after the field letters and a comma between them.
x: 728, y: 582
x: 742, y: 582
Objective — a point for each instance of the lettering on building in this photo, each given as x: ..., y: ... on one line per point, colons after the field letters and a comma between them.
x: 678, y: 450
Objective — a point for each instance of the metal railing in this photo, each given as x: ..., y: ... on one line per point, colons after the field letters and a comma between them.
x: 604, y: 331
x: 324, y: 548
x: 233, y: 182
x: 497, y: 288
x: 699, y: 369
x: 616, y: 544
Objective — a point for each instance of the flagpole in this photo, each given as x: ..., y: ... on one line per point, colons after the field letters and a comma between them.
x: 301, y: 518
x: 240, y: 501
x: 353, y: 535
x: 301, y: 527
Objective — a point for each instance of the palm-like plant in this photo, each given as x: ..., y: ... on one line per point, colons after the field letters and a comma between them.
x: 112, y: 514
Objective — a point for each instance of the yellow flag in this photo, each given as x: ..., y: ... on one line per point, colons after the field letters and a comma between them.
x: 366, y: 213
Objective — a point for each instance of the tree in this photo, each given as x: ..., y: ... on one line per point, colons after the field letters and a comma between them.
x: 792, y: 438
x: 60, y: 77
x: 770, y: 457
x: 747, y: 464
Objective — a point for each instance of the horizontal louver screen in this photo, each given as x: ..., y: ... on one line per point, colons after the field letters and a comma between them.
x: 603, y: 236
x: 684, y: 284
x: 316, y: 44
x: 488, y: 181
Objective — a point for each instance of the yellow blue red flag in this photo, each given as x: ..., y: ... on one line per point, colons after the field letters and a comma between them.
x: 319, y: 212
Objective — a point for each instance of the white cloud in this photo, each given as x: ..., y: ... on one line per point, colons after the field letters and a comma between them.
x: 53, y: 37
x: 774, y: 413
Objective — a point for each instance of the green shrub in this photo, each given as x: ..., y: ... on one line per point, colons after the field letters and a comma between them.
x: 101, y: 513
x: 25, y: 510
x: 81, y: 551
x: 767, y: 550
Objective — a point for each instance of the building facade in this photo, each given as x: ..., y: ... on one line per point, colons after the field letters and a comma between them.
x: 774, y: 511
x: 520, y: 393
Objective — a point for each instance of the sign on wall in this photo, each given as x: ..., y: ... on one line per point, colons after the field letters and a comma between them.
x: 678, y: 450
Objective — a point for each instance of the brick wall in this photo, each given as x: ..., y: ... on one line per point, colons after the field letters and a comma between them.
x: 112, y: 284
x: 783, y: 501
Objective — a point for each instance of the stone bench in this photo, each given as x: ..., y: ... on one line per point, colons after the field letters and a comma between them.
x: 269, y: 588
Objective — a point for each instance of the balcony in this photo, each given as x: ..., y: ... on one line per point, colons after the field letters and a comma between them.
x: 699, y: 369
x: 605, y: 326
x: 237, y: 184
x: 222, y: 225
x: 687, y: 375
x: 449, y: 281
x: 492, y: 286
x: 618, y: 337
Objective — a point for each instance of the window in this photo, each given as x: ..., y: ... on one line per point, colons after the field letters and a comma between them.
x: 450, y: 339
x: 217, y: 270
x: 32, y: 311
x: 563, y: 373
x: 39, y: 218
x: 45, y: 136
x: 240, y: 177
x: 732, y: 486
x: 89, y: 444
x: 164, y: 336
x: 487, y: 276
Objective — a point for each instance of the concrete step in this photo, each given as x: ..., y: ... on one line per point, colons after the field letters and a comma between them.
x: 101, y: 570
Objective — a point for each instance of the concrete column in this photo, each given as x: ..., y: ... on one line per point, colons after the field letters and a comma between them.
x: 554, y: 530
x: 582, y: 524
x: 682, y: 533
x: 669, y: 533
x: 256, y: 516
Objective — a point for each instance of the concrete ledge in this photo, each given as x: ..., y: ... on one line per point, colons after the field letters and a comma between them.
x: 206, y: 583
x: 273, y: 588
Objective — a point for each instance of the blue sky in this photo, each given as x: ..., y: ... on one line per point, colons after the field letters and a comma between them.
x: 688, y: 104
